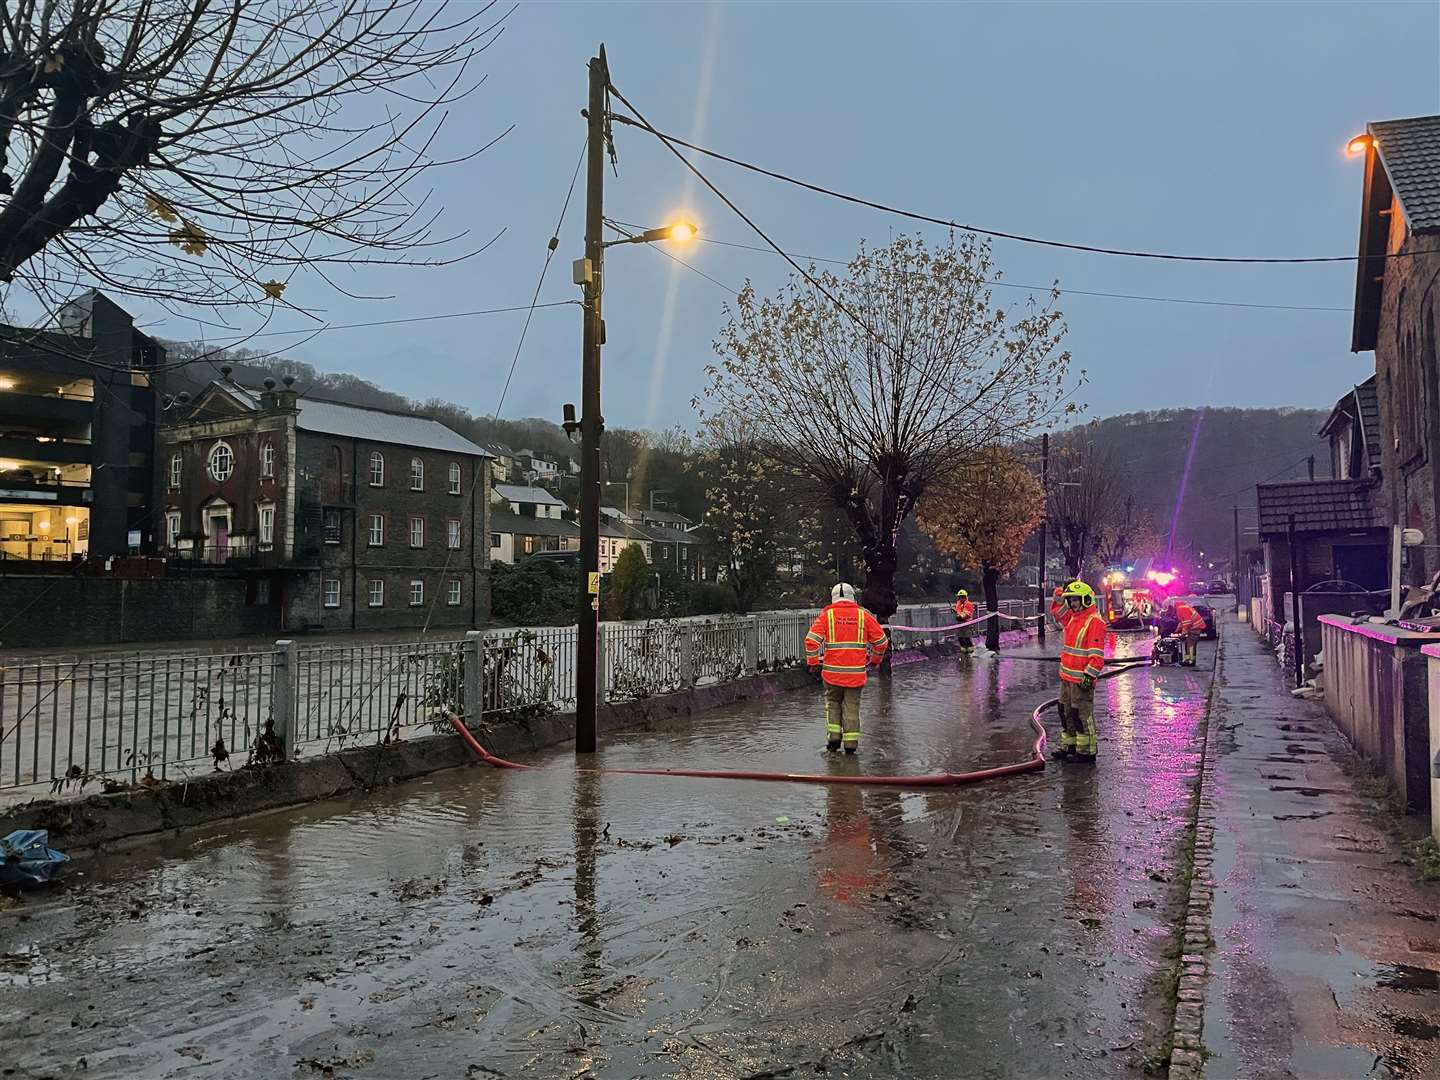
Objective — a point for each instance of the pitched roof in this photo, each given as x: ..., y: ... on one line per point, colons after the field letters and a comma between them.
x: 519, y: 493
x: 668, y: 536
x: 663, y: 515
x: 1318, y: 506
x: 377, y: 425
x: 502, y: 521
x: 1410, y: 151
x: 1402, y: 164
x: 355, y: 422
x: 1363, y: 403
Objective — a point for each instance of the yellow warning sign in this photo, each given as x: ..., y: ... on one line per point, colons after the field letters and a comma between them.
x: 594, y: 584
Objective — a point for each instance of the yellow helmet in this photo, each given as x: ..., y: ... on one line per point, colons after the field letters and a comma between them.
x: 961, y: 595
x: 1083, y: 592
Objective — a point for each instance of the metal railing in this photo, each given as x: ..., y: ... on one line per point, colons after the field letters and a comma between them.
x: 71, y: 722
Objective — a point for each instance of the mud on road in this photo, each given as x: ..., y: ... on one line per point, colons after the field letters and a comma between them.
x: 559, y: 923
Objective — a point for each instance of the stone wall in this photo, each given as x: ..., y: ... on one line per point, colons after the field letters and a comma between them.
x: 49, y: 610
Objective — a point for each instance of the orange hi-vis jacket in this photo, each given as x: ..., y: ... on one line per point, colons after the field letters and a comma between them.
x: 844, y: 640
x: 1083, y: 651
x: 964, y: 609
x: 1187, y: 620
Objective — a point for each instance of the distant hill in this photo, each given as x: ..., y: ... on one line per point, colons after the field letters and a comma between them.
x: 1234, y: 450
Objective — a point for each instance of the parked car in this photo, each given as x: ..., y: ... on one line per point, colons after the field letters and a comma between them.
x: 1218, y: 588
x: 563, y: 558
x: 1167, y: 621
x: 17, y: 476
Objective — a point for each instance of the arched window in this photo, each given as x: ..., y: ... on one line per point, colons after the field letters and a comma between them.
x: 222, y: 462
x: 377, y: 469
x: 177, y: 466
x: 417, y: 474
x: 267, y: 460
x: 454, y: 478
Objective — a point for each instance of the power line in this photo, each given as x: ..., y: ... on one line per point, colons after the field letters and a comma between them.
x: 672, y: 141
x: 1062, y: 289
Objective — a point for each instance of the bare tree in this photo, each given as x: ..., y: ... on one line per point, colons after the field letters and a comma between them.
x: 877, y: 382
x: 1083, y: 489
x: 1125, y: 534
x: 202, y: 152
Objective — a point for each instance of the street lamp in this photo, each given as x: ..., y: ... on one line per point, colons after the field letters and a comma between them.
x: 588, y: 274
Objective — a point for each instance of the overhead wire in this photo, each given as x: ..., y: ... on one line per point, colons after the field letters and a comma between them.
x: 550, y: 248
x: 672, y: 141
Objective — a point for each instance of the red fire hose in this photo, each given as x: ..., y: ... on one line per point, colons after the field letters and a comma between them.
x: 1035, y: 761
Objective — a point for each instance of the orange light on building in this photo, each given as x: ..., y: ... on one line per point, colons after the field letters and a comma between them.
x: 1358, y: 145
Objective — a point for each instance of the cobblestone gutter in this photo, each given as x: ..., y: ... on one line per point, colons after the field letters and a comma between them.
x: 1187, y: 1054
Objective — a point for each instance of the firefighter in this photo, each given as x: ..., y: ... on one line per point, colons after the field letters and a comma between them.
x: 964, y: 611
x: 1082, y: 658
x: 1189, y: 625
x: 844, y: 641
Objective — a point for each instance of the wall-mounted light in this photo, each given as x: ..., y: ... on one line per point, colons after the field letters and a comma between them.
x: 6, y: 383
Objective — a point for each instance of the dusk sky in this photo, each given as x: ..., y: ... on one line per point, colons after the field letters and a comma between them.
x: 1214, y: 128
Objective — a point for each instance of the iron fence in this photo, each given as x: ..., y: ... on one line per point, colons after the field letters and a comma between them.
x: 69, y: 722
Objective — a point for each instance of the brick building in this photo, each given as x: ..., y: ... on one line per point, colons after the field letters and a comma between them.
x: 347, y: 518
x: 1397, y: 315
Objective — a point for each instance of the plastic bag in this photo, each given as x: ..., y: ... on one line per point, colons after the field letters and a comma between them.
x: 28, y: 860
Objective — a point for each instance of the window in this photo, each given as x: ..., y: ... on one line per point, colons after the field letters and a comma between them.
x: 417, y: 474
x: 334, y: 474
x: 267, y: 460
x: 172, y: 529
x: 332, y: 526
x: 529, y: 546
x: 495, y: 541
x: 177, y: 465
x: 454, y: 478
x: 417, y: 592
x: 222, y: 462
x: 377, y: 592
x: 267, y: 524
x: 377, y: 469
x: 452, y: 595
x: 332, y: 592
x: 377, y: 530
x: 417, y: 532
x: 452, y: 534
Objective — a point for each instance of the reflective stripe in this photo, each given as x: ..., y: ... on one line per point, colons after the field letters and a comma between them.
x: 845, y: 667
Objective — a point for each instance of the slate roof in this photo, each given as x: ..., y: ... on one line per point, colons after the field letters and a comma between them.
x: 377, y: 425
x: 1319, y: 506
x: 355, y: 422
x: 502, y: 521
x: 1363, y: 402
x: 664, y: 516
x: 519, y: 493
x: 669, y: 536
x: 1410, y: 150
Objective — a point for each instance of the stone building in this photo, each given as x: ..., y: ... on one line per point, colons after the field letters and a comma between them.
x: 348, y: 518
x: 1397, y: 315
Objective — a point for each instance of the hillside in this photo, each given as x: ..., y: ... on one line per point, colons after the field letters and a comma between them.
x: 1234, y: 450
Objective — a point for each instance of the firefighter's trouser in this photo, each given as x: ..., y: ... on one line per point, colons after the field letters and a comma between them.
x: 967, y: 643
x: 1192, y: 646
x: 842, y: 714
x: 1077, y: 718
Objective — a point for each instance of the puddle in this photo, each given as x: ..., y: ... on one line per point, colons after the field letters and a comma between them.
x: 1407, y: 978
x: 1303, y: 817
x: 1308, y: 792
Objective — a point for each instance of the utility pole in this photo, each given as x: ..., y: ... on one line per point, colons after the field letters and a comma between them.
x: 592, y: 424
x: 1295, y: 603
x: 1044, y: 527
x: 1235, y: 563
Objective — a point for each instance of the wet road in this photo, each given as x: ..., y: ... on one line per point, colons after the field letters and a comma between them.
x: 551, y: 924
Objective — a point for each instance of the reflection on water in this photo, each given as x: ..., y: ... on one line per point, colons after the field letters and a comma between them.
x: 553, y: 922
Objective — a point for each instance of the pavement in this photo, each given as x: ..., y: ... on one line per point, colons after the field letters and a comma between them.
x: 563, y: 923
x: 1326, y: 961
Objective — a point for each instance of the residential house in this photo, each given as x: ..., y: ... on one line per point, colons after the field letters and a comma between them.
x: 1353, y: 429
x: 503, y: 467
x: 348, y: 518
x: 615, y: 537
x: 537, y: 468
x: 1397, y: 315
x: 78, y: 409
x: 514, y: 536
x: 676, y: 543
x: 527, y: 501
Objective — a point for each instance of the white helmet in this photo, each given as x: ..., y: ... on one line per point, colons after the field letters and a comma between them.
x: 842, y: 592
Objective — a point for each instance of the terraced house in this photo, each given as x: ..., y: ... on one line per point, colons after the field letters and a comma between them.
x: 347, y: 518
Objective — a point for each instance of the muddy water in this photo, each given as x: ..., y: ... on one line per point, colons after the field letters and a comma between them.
x: 559, y: 923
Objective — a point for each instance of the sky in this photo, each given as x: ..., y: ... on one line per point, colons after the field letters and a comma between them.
x: 1213, y: 128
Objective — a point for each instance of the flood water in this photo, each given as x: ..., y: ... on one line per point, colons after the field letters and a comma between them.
x: 564, y: 923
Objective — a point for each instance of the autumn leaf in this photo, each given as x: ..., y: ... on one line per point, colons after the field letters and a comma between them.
x: 161, y: 207
x: 274, y: 289
x: 190, y: 238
